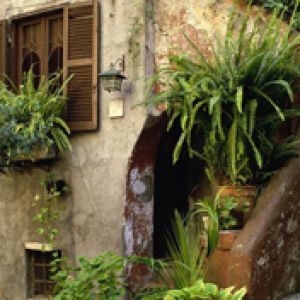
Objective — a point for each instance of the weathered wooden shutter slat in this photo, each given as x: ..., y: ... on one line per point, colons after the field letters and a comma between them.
x: 81, y: 49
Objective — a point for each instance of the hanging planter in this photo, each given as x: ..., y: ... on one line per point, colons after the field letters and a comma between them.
x: 38, y: 154
x: 31, y: 127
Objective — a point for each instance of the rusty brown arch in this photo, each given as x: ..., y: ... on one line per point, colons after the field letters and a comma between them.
x: 138, y: 214
x: 139, y: 203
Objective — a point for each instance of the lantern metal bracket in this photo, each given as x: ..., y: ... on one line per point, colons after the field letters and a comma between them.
x: 119, y: 64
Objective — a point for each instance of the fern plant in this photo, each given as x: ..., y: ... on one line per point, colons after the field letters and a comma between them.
x: 30, y: 118
x: 289, y: 9
x: 235, y: 100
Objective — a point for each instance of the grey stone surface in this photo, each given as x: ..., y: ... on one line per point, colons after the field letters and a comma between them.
x: 293, y: 297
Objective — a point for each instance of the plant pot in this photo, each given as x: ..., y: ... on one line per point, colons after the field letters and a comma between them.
x: 245, y: 196
x: 39, y: 154
x: 219, y: 261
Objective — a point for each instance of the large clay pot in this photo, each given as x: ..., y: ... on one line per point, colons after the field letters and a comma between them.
x: 219, y: 261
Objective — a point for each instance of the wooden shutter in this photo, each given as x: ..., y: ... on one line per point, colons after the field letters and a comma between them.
x: 81, y: 61
x: 3, y: 50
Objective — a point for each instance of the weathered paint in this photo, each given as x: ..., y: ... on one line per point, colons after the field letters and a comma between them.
x: 138, y: 218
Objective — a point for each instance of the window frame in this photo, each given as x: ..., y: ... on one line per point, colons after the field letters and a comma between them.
x: 45, y: 266
x: 44, y: 20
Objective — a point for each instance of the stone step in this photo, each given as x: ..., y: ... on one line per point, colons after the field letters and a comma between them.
x: 293, y: 297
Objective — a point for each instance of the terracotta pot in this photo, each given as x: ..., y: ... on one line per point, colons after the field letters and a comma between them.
x: 219, y: 262
x: 245, y: 195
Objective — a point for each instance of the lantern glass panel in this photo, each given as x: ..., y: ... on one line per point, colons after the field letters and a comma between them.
x: 112, y: 84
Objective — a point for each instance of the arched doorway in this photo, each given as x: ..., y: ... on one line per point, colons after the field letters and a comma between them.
x: 173, y: 184
x: 155, y: 188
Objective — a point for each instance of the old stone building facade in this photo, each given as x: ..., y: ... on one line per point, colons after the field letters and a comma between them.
x: 111, y: 168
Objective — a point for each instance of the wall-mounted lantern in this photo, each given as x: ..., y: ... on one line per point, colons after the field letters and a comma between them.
x: 112, y: 79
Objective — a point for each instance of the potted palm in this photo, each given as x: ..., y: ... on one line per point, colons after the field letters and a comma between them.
x: 31, y: 123
x: 235, y: 101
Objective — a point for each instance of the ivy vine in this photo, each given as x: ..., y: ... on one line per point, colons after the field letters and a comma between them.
x: 49, y: 206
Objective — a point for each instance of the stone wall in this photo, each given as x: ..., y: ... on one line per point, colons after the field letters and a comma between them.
x: 95, y: 169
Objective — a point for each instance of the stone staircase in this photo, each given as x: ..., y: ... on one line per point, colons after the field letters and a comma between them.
x: 265, y: 256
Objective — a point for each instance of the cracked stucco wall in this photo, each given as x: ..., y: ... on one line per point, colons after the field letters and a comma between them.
x: 95, y: 170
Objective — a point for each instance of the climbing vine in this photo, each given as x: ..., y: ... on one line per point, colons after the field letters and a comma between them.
x: 49, y: 206
x: 135, y: 31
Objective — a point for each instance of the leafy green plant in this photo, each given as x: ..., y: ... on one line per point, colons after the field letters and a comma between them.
x: 49, y: 208
x: 235, y: 100
x: 289, y: 9
x: 218, y: 214
x: 30, y: 118
x: 100, y: 278
x: 201, y: 290
x: 209, y: 211
x: 186, y: 262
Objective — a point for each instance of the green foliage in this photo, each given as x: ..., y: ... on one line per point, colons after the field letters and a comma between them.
x: 218, y: 214
x: 100, y: 278
x: 227, y: 220
x: 103, y: 278
x: 209, y: 211
x: 289, y: 9
x: 186, y: 262
x: 49, y: 208
x: 236, y: 100
x: 134, y: 44
x: 30, y: 118
x: 209, y: 291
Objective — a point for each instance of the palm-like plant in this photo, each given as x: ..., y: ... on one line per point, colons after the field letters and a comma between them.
x: 236, y: 99
x: 187, y: 258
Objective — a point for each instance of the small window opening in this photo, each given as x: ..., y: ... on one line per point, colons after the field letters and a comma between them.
x: 32, y: 60
x: 39, y: 273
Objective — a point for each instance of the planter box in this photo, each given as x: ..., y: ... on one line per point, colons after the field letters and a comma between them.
x: 39, y: 154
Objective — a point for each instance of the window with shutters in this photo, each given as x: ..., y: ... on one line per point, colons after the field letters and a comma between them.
x: 62, y: 40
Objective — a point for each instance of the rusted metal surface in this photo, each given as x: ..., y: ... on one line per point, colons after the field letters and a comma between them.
x: 138, y: 217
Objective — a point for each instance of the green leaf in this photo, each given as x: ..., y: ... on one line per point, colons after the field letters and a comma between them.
x: 232, y: 142
x: 275, y: 106
x: 212, y: 102
x: 178, y: 147
x: 239, y: 99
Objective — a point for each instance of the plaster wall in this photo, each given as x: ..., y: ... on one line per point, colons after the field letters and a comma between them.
x: 95, y: 169
x: 200, y: 21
